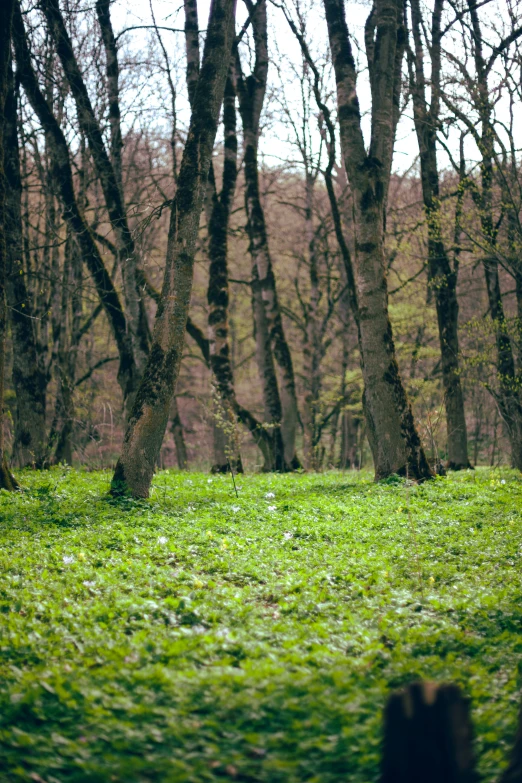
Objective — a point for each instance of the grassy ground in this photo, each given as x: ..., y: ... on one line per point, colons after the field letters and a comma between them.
x: 200, y: 637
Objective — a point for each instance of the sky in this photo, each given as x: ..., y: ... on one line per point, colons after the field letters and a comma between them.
x: 284, y: 50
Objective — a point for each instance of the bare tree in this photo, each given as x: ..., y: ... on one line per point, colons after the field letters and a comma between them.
x: 63, y: 179
x: 393, y: 438
x: 442, y: 275
x: 280, y: 402
x: 150, y: 412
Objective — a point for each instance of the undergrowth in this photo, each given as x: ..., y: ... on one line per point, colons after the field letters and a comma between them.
x: 201, y: 637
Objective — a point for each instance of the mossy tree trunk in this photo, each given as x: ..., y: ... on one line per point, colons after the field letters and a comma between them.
x: 149, y: 417
x: 442, y: 276
x: 392, y: 434
x: 7, y: 481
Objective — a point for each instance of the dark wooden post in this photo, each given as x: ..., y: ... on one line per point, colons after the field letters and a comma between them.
x: 428, y: 736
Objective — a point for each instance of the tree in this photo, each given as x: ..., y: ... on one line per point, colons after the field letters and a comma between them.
x: 280, y: 400
x: 7, y: 481
x: 508, y: 395
x: 393, y: 438
x: 442, y: 275
x: 150, y: 412
x: 29, y: 377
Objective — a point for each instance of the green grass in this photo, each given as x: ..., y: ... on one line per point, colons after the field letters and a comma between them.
x: 199, y: 637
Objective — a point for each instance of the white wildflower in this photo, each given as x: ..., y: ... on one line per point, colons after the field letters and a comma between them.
x: 68, y: 559
x: 87, y: 583
x: 162, y: 540
x: 272, y: 508
x: 235, y: 509
x: 270, y: 495
x: 288, y: 535
x: 503, y: 481
x: 209, y: 481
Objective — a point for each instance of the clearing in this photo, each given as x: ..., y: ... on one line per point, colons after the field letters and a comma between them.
x: 200, y: 637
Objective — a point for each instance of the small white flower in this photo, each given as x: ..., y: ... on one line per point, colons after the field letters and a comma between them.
x: 272, y: 508
x: 288, y: 535
x: 472, y: 530
x: 162, y: 540
x: 235, y: 509
x: 503, y: 481
x: 190, y: 508
x: 68, y: 559
x: 209, y: 481
x: 89, y: 584
x: 269, y: 495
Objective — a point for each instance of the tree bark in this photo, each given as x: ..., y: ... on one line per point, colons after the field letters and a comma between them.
x: 62, y: 176
x: 251, y: 92
x: 225, y: 450
x: 7, y: 481
x: 29, y: 379
x: 442, y: 277
x: 149, y: 416
x: 394, y: 440
x: 176, y: 428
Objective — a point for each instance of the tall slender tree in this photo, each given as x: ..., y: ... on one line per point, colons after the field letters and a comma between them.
x: 392, y: 434
x: 442, y: 275
x: 7, y: 481
x: 29, y: 377
x: 281, y: 402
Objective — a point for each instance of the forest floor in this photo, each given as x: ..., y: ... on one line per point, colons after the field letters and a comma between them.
x: 198, y: 636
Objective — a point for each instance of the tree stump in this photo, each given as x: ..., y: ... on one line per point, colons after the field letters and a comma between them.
x: 428, y: 736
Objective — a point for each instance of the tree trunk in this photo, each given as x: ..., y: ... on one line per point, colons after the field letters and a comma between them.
x: 394, y: 440
x: 349, y: 457
x: 267, y: 376
x: 442, y: 277
x: 176, y: 427
x: 312, y: 348
x: 149, y: 417
x: 251, y: 97
x: 7, y: 481
x: 29, y: 380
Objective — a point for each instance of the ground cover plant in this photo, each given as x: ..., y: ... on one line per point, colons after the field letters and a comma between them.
x: 198, y: 636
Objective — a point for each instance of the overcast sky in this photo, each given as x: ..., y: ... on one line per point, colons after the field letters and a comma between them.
x: 284, y: 50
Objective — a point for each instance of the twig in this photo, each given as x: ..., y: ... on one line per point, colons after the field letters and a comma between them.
x: 233, y: 477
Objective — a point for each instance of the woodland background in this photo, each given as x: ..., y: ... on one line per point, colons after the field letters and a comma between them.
x: 75, y: 361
